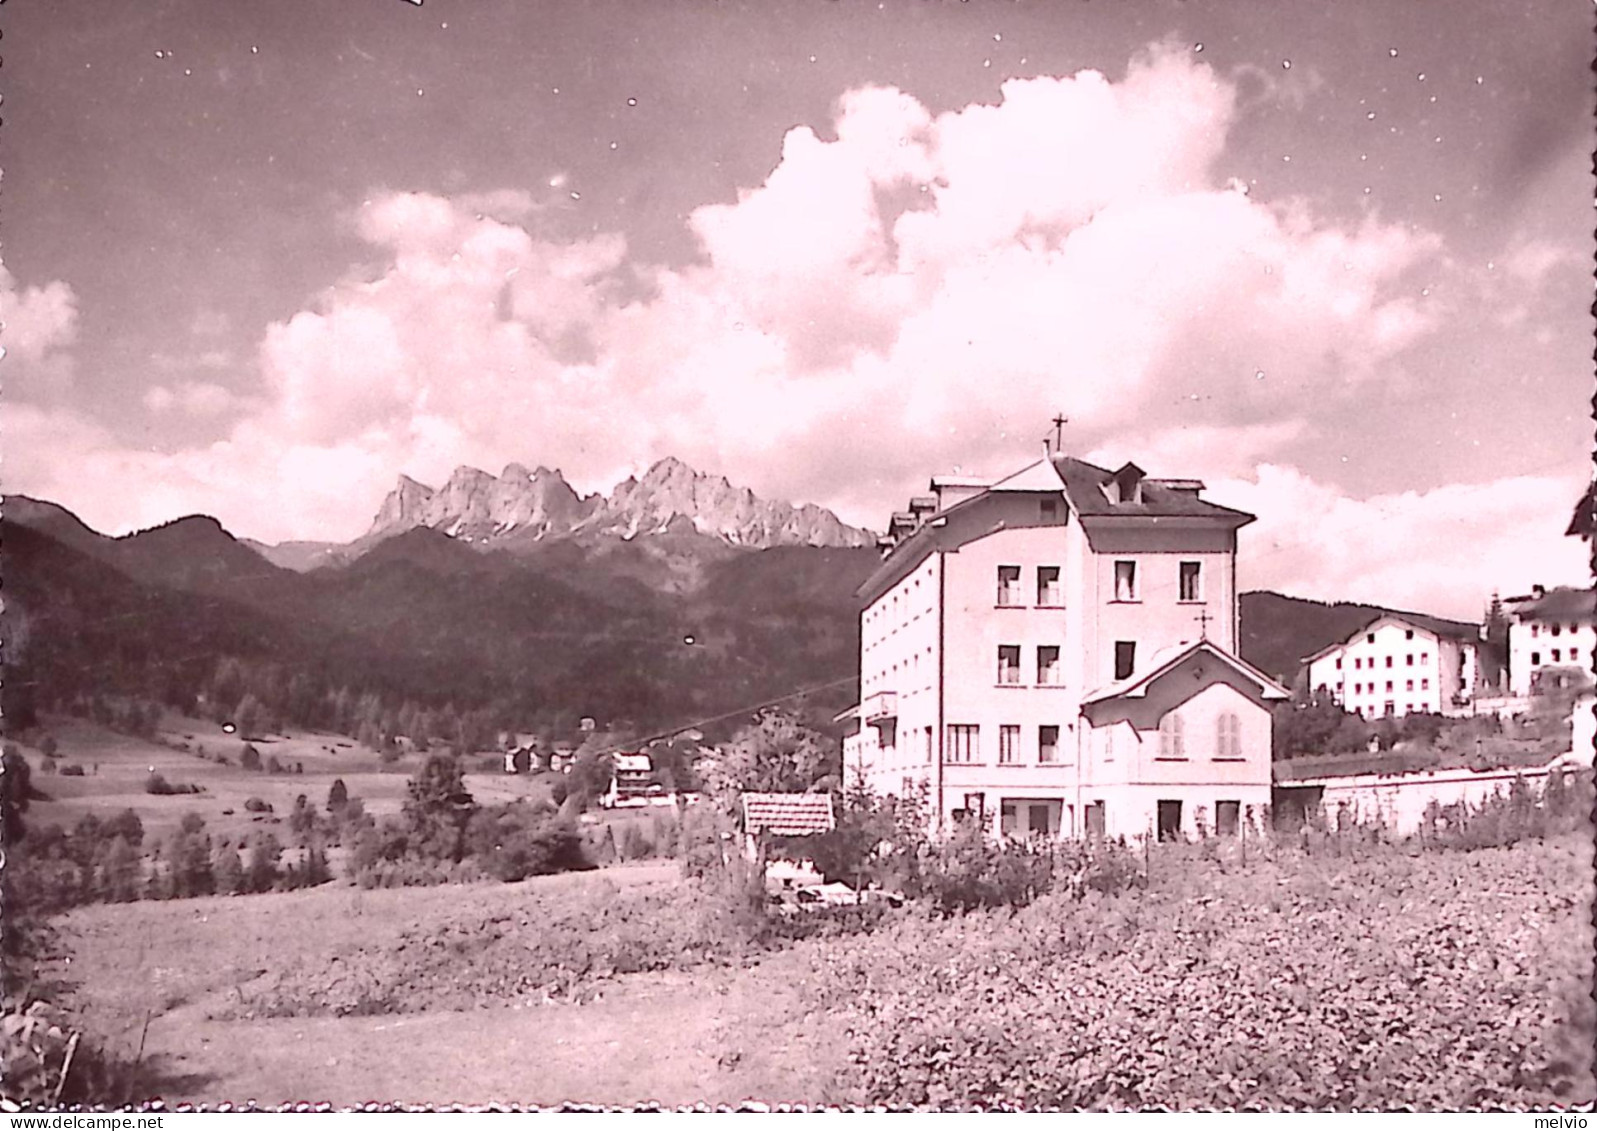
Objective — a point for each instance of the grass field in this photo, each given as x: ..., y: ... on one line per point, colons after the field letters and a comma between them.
x: 1443, y: 980
x: 116, y: 767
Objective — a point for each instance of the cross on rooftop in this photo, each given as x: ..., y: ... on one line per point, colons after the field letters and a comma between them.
x: 1059, y: 422
x: 1203, y: 618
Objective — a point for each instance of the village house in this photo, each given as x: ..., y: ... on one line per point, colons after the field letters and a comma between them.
x: 1054, y: 653
x: 1402, y: 664
x: 1552, y: 637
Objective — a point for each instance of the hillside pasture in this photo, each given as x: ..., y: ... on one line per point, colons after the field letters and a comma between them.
x: 116, y: 767
x: 1375, y: 978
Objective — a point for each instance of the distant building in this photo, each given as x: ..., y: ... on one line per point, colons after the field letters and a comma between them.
x: 1054, y: 653
x: 1402, y: 664
x: 631, y: 780
x: 1550, y: 629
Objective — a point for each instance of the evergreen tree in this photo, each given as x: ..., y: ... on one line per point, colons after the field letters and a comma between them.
x: 262, y: 872
x: 121, y: 877
x: 188, y: 857
x: 317, y: 870
x: 227, y: 685
x: 16, y: 791
x: 1496, y: 623
x: 227, y: 871
x: 437, y: 808
x: 250, y: 718
x: 337, y: 795
x: 125, y: 824
x: 302, y: 820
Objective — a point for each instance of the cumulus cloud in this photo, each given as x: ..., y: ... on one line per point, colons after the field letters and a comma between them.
x: 195, y: 398
x: 906, y: 292
x: 1441, y: 551
x: 37, y: 326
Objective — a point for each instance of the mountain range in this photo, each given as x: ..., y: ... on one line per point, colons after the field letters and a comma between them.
x: 524, y: 511
x: 675, y: 599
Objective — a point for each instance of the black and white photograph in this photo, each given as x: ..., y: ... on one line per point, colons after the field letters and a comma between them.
x: 940, y: 555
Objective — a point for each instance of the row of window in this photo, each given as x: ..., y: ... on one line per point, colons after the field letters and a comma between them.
x: 1227, y: 738
x: 1370, y: 689
x: 1189, y: 581
x: 1553, y: 630
x: 962, y: 745
x: 1049, y: 672
x: 1558, y: 656
x: 1048, y: 594
x: 1053, y: 818
x: 1408, y: 661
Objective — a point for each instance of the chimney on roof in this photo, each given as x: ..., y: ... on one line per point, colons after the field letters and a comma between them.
x: 1538, y: 591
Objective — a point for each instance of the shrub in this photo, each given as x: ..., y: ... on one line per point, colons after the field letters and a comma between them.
x: 337, y: 795
x: 702, y: 837
x: 227, y: 871
x: 249, y: 757
x: 48, y: 765
x: 273, y: 766
x: 512, y: 842
x: 634, y: 843
x: 261, y: 873
x: 256, y: 805
x: 72, y: 771
x: 48, y: 746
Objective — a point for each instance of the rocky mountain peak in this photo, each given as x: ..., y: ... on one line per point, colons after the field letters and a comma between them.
x: 671, y: 497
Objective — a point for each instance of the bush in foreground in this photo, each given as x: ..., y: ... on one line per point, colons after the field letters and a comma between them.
x: 1356, y: 982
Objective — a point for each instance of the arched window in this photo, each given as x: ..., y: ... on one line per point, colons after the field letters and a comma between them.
x: 1228, y: 739
x: 1172, y: 740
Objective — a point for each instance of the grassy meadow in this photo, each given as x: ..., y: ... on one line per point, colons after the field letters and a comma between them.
x: 116, y: 767
x: 1367, y: 976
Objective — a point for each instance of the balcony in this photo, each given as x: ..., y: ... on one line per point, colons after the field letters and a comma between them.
x: 879, y: 707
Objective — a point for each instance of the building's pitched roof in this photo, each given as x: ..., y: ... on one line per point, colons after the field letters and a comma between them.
x: 633, y: 763
x: 1136, y: 685
x: 1335, y: 646
x: 1584, y: 521
x: 1556, y: 604
x: 1037, y: 476
x: 788, y: 814
x: 1084, y: 486
x: 1440, y: 626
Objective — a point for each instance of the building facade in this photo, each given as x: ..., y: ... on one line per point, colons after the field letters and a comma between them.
x: 1551, y: 638
x: 1054, y: 654
x: 1402, y: 664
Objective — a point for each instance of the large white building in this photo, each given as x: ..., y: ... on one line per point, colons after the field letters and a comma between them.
x: 1551, y: 636
x: 1401, y: 664
x: 1055, y: 653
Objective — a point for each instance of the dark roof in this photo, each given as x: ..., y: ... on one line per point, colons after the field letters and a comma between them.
x: 1164, y: 661
x: 1584, y: 522
x: 788, y: 814
x: 1457, y: 629
x: 1555, y: 604
x: 1084, y: 483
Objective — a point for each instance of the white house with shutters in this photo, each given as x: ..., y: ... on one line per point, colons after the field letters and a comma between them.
x: 1402, y: 664
x: 1055, y: 653
x: 1552, y: 639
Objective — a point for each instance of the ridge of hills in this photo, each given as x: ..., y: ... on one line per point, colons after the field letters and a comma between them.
x: 568, y: 627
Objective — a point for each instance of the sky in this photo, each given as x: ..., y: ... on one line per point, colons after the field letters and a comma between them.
x: 1334, y: 260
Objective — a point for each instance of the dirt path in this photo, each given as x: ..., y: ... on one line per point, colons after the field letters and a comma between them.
x: 715, y: 1037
